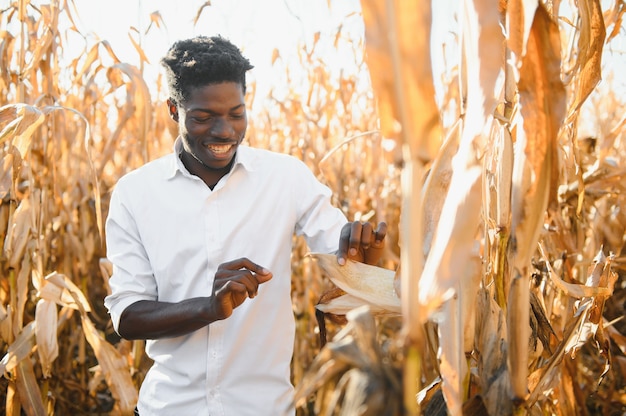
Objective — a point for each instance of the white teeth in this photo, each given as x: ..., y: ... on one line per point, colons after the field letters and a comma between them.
x: 219, y: 148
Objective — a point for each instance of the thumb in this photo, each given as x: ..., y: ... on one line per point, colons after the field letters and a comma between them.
x: 263, y: 276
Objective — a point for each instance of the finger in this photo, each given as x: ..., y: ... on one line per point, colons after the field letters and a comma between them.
x: 242, y: 276
x: 356, y: 230
x: 231, y: 295
x: 380, y: 233
x: 245, y: 263
x: 367, y: 235
x: 344, y: 242
x: 249, y: 280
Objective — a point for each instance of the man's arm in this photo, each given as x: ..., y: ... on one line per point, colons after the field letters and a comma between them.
x: 147, y: 319
x: 234, y: 282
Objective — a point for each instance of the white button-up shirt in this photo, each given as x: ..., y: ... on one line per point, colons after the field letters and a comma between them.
x: 167, y: 232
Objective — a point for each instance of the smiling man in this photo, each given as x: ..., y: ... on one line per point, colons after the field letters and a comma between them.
x: 201, y: 240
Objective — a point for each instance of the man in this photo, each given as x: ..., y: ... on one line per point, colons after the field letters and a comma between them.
x: 201, y: 242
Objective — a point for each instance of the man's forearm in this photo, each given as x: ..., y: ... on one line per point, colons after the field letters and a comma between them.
x: 147, y: 319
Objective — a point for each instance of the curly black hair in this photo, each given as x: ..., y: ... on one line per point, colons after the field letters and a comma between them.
x: 201, y: 61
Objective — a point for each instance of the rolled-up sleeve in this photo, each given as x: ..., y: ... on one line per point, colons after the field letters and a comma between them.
x: 132, y: 279
x: 318, y: 220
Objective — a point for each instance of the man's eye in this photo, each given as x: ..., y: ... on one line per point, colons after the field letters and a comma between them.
x: 237, y: 116
x: 201, y: 119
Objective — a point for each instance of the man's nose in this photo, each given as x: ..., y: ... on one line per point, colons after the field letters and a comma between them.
x: 222, y: 128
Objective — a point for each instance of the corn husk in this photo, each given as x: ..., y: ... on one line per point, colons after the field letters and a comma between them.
x: 371, y: 285
x: 46, y: 334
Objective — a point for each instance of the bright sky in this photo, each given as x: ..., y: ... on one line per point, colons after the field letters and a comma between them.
x: 257, y: 27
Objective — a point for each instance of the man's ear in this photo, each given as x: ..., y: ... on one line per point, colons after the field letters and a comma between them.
x: 172, y: 109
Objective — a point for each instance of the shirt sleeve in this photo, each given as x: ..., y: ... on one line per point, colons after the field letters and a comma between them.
x: 132, y: 279
x: 318, y: 220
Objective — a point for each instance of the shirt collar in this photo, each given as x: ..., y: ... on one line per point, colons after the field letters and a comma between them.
x: 244, y: 158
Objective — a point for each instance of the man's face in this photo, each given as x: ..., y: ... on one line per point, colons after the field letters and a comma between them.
x: 212, y: 123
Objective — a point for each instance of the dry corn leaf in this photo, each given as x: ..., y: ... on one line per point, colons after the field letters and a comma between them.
x: 44, y: 42
x: 615, y: 16
x: 6, y: 325
x: 454, y: 241
x: 106, y: 268
x: 22, y: 289
x: 18, y: 233
x: 46, y: 319
x: 592, y: 34
x: 19, y: 349
x: 28, y: 389
x: 114, y: 367
x: 542, y: 101
x: 89, y: 60
x: 157, y: 20
x: 491, y: 341
x: 352, y: 365
x: 579, y: 330
x: 456, y: 330
x: 372, y: 284
x: 138, y: 48
x: 20, y: 130
x: 483, y: 51
x: 451, y: 354
x: 398, y: 56
x: 591, y: 308
x: 574, y: 290
x: 437, y: 184
x: 61, y: 290
x: 520, y: 15
x: 3, y: 313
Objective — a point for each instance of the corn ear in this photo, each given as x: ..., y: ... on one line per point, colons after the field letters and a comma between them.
x: 370, y: 284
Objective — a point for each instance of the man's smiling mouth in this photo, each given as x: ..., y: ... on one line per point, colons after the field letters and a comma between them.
x: 219, y: 148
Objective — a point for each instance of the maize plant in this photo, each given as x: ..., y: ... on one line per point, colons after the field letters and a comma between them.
x: 504, y: 279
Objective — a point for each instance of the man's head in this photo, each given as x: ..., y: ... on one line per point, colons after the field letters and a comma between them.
x: 202, y: 61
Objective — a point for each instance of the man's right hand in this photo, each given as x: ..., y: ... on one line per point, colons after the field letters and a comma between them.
x: 234, y: 282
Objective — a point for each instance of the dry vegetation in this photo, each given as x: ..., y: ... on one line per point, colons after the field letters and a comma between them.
x: 530, y: 238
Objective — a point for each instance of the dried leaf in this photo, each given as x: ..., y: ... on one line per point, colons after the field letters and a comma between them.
x: 542, y: 101
x: 20, y: 130
x: 19, y: 232
x: 437, y: 184
x: 19, y: 349
x: 454, y: 242
x: 491, y: 341
x: 28, y: 389
x: 114, y: 367
x: 61, y: 290
x: 592, y: 34
x: 46, y: 318
x: 398, y: 56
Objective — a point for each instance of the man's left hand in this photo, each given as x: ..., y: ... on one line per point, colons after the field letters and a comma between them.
x: 360, y: 242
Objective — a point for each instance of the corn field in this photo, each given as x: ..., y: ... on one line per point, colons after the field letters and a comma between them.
x: 502, y: 289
